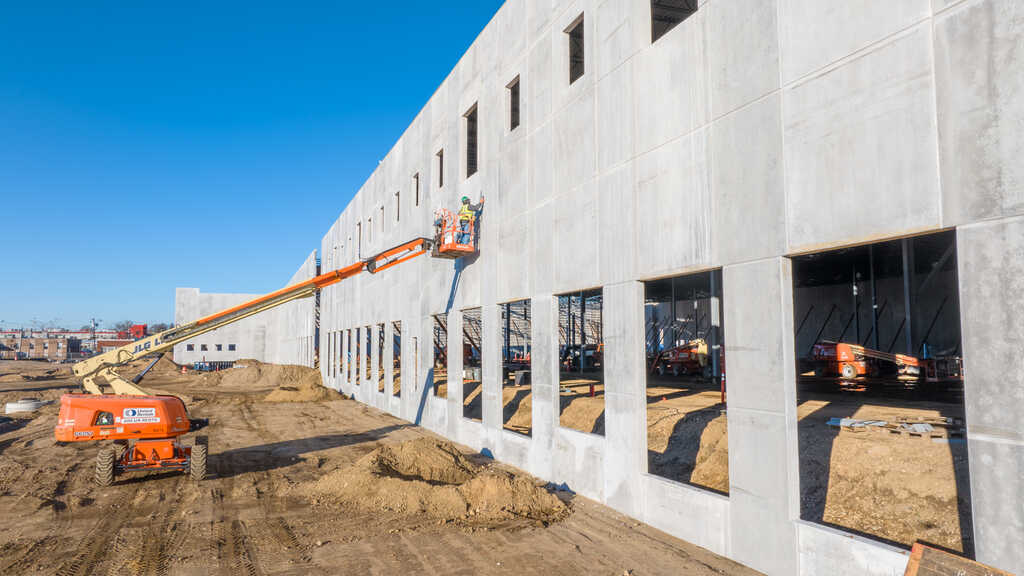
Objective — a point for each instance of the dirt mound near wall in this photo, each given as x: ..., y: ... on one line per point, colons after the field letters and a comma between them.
x: 283, y: 382
x: 433, y: 477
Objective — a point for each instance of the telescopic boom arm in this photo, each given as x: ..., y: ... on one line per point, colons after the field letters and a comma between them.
x: 103, y: 365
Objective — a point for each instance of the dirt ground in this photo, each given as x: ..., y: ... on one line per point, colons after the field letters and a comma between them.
x: 687, y: 432
x: 319, y: 486
x: 895, y: 487
x: 517, y: 408
x: 577, y: 408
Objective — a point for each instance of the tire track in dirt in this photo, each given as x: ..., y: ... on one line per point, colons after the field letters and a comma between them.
x: 96, y: 545
x: 163, y: 535
x: 235, y: 549
x: 58, y: 526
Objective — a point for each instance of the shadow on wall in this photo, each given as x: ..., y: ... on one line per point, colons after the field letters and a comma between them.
x: 428, y: 383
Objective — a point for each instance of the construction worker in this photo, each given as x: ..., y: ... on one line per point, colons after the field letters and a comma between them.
x: 467, y: 215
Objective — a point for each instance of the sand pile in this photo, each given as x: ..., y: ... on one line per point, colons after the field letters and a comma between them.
x: 431, y: 476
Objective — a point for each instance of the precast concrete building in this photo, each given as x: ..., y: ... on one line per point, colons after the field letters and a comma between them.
x: 284, y: 335
x: 807, y: 171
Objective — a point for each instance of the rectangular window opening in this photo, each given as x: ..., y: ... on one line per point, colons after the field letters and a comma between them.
x: 439, y: 374
x: 581, y: 361
x: 686, y: 419
x: 219, y: 348
x: 516, y: 385
x: 513, y: 104
x: 396, y: 358
x: 666, y: 14
x: 472, y: 365
x: 398, y: 206
x: 880, y: 390
x: 368, y: 332
x: 416, y: 187
x: 380, y: 357
x: 356, y: 380
x: 440, y: 168
x: 190, y: 347
x: 471, y: 142
x: 576, y: 52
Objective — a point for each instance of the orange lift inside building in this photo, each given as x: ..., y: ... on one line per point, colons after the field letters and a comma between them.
x: 146, y: 428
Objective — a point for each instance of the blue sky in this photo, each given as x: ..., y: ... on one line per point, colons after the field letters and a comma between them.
x: 145, y: 146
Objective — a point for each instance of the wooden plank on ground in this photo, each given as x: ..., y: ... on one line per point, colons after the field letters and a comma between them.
x: 928, y: 561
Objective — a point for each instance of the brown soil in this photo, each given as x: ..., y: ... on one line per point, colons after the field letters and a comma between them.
x: 433, y: 477
x: 254, y: 515
x: 440, y: 382
x: 678, y: 412
x: 517, y: 408
x: 895, y: 487
x: 891, y: 487
x: 579, y: 410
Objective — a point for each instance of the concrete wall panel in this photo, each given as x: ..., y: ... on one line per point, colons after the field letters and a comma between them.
x: 815, y: 33
x: 673, y: 224
x: 861, y: 137
x: 979, y: 76
x: 746, y: 183
x: 991, y: 261
x: 743, y: 52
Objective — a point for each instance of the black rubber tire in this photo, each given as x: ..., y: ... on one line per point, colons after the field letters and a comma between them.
x: 105, y: 460
x: 197, y: 463
x: 660, y: 369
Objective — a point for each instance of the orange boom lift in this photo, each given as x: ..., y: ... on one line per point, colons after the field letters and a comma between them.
x: 146, y: 429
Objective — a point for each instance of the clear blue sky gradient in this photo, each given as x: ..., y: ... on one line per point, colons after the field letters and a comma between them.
x: 145, y: 146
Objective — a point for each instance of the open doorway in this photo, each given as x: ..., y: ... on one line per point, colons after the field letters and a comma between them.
x: 472, y: 362
x: 581, y: 361
x: 880, y: 403
x: 380, y: 358
x: 440, y: 360
x: 396, y: 358
x: 516, y: 381
x: 687, y: 430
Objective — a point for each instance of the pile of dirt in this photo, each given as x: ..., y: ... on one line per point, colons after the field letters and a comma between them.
x: 165, y: 367
x: 433, y: 477
x: 305, y: 391
x: 284, y: 383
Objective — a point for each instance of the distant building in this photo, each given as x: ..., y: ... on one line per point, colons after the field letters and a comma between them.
x: 284, y: 335
x: 17, y: 345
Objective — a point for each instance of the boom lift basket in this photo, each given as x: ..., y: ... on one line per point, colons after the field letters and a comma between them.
x: 452, y: 240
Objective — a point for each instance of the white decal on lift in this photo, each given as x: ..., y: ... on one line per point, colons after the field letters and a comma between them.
x: 139, y: 416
